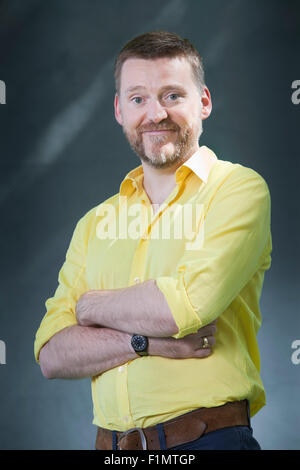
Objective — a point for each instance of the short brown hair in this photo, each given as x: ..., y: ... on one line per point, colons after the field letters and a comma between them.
x: 158, y: 44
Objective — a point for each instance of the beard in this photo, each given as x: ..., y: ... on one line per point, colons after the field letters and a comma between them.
x: 164, y: 153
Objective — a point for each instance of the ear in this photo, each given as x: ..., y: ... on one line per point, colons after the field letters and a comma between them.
x: 206, y: 103
x: 118, y: 115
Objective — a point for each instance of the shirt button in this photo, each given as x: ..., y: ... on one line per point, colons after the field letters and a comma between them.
x: 126, y: 419
x: 136, y: 280
x: 121, y: 369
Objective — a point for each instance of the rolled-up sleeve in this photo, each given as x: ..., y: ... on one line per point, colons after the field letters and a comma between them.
x: 71, y: 285
x: 236, y: 244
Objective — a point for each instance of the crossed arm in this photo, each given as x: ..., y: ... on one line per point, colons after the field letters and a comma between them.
x: 106, y: 321
x: 237, y: 244
x: 140, y: 309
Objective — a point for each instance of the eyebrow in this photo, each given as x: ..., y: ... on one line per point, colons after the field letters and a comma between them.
x: 162, y: 90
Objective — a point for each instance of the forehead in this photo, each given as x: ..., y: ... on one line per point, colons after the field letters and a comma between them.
x: 156, y: 73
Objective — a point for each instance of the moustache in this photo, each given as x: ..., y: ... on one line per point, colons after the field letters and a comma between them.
x: 161, y: 127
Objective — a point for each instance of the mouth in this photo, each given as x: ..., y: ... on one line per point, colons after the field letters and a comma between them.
x: 158, y: 132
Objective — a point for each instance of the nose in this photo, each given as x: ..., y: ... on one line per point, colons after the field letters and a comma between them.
x: 156, y: 112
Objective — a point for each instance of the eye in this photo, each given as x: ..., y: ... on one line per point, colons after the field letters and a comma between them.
x: 173, y: 96
x: 137, y: 99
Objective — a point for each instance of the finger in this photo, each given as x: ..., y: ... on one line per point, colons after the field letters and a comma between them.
x: 207, y: 330
x: 201, y: 353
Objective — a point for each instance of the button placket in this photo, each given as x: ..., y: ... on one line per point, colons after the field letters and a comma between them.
x: 122, y: 395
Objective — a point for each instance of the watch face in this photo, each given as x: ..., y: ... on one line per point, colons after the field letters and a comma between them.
x: 139, y: 343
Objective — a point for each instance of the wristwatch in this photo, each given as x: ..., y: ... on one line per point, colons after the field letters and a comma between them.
x: 140, y: 344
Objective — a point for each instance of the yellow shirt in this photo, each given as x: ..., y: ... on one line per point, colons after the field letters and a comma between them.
x: 207, y: 247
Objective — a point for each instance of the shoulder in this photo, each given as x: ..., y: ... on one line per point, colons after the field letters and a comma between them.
x: 225, y: 173
x: 87, y: 222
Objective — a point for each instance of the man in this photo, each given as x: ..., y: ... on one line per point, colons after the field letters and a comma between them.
x: 138, y: 299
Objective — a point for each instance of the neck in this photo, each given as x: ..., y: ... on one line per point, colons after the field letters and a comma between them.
x: 160, y: 182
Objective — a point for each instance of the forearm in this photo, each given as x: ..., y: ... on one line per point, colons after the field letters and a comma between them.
x: 140, y: 309
x: 79, y: 352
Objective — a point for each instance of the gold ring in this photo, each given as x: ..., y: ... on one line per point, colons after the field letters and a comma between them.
x: 205, y: 343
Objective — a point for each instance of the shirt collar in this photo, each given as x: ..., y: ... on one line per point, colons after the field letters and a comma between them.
x: 200, y: 163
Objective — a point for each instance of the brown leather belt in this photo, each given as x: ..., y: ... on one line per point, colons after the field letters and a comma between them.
x: 180, y: 430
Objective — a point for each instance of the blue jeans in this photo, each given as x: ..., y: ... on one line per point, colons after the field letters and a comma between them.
x: 231, y: 438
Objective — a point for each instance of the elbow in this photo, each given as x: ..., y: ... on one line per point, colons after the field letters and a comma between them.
x: 46, y: 373
x: 44, y: 363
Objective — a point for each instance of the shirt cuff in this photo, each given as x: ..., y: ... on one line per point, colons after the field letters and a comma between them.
x: 186, y: 318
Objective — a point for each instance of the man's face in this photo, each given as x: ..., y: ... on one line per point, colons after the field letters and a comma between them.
x: 160, y: 109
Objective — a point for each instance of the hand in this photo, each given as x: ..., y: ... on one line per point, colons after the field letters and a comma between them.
x: 87, y: 307
x: 191, y: 346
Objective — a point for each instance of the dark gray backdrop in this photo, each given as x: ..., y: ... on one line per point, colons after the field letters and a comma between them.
x: 62, y: 153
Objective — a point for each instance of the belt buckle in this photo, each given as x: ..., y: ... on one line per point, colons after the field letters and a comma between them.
x: 141, y: 433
